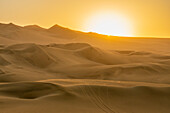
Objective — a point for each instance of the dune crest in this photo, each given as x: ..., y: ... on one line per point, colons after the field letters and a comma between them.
x: 59, y: 70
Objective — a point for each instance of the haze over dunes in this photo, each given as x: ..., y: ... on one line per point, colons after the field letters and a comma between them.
x: 59, y: 70
x: 137, y: 18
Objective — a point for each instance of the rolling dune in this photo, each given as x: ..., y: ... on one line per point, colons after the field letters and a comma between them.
x: 78, y: 95
x: 58, y: 70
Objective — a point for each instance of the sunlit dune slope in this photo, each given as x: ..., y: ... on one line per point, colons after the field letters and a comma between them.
x: 12, y: 34
x: 59, y: 70
x: 81, y: 61
x: 84, y: 96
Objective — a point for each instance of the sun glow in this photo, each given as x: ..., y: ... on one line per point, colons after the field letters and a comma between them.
x: 110, y: 24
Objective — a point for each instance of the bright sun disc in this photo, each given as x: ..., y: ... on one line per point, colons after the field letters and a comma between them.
x: 110, y: 24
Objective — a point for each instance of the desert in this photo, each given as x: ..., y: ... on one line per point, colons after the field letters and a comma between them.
x: 59, y: 70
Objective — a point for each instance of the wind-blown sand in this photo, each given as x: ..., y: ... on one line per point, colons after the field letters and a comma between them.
x: 59, y: 70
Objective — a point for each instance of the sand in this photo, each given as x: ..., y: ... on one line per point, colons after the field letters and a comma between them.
x: 58, y: 70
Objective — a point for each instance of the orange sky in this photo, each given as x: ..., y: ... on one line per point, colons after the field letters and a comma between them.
x: 146, y: 17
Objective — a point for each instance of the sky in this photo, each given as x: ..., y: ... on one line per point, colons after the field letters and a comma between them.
x: 140, y: 18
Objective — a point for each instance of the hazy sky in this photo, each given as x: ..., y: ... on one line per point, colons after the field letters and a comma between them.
x: 146, y: 17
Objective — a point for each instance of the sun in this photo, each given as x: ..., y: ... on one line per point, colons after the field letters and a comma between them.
x: 110, y: 24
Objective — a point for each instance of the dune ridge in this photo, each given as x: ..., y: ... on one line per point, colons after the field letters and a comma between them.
x: 59, y: 70
x: 101, y: 98
x: 85, y: 61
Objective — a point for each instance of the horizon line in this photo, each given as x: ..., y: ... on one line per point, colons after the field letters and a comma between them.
x: 156, y: 37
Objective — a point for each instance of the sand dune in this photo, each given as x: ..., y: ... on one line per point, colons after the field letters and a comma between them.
x: 84, y: 61
x: 78, y: 95
x: 65, y: 71
x: 12, y: 34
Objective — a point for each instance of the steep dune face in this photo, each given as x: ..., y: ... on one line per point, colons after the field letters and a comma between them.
x: 32, y: 53
x: 34, y: 27
x: 29, y: 34
x: 30, y: 90
x: 63, y: 32
x: 3, y: 62
x: 99, y: 56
